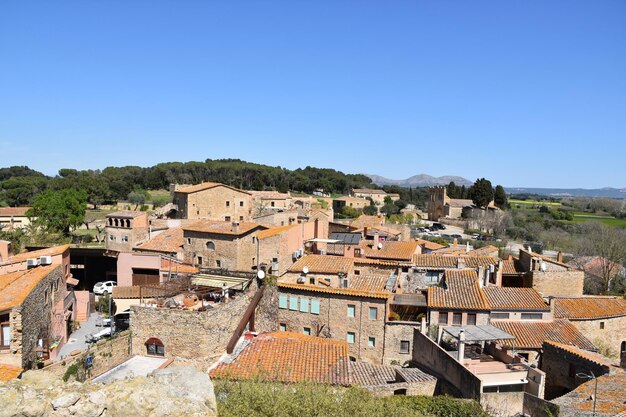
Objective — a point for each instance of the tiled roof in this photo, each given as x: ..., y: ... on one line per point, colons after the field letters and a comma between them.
x: 433, y: 261
x: 13, y: 211
x: 8, y: 372
x: 381, y: 262
x: 367, y: 221
x: 459, y: 202
x: 531, y: 334
x: 169, y: 241
x: 288, y: 357
x: 484, y: 251
x: 51, y: 251
x: 269, y: 195
x: 512, y: 267
x: 609, y: 398
x: 178, y: 267
x: 264, y: 234
x: 429, y: 245
x: 222, y: 228
x: 462, y: 292
x: 323, y: 264
x: 127, y: 214
x: 390, y: 250
x: 368, y: 191
x: 476, y: 261
x: 370, y: 375
x: 359, y: 286
x: 589, y: 308
x: 547, y: 259
x: 15, y: 287
x: 582, y: 353
x: 205, y: 186
x: 508, y: 298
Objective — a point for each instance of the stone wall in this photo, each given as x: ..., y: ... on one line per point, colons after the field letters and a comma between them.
x: 266, y: 314
x: 502, y: 404
x: 607, y: 334
x: 237, y: 253
x: 212, y: 204
x: 558, y: 283
x: 333, y: 321
x: 106, y: 354
x: 536, y: 407
x: 194, y: 335
x: 395, y: 332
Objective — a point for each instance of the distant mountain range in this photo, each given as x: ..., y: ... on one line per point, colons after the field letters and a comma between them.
x: 421, y: 180
x: 424, y: 180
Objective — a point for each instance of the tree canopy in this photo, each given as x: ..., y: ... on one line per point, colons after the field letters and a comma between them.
x: 59, y: 211
x: 481, y: 192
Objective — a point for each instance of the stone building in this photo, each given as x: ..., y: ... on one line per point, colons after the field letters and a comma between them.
x: 33, y: 326
x: 125, y: 230
x: 563, y: 363
x: 213, y: 201
x: 353, y: 202
x: 601, y: 319
x: 280, y: 247
x: 12, y: 218
x: 222, y: 244
x: 269, y: 201
x: 440, y: 205
x: 377, y: 195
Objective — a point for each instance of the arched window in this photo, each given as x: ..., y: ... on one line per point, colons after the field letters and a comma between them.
x: 623, y: 349
x: 127, y: 222
x: 116, y: 222
x: 210, y: 245
x: 155, y: 347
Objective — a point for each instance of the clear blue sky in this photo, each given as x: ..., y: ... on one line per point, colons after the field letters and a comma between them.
x: 525, y: 93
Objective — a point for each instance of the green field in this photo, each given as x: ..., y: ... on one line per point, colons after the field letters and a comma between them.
x: 534, y: 203
x: 609, y: 221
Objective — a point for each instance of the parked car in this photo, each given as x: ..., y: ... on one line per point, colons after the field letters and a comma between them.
x: 104, y: 287
x: 476, y: 236
x: 93, y: 338
x: 457, y: 236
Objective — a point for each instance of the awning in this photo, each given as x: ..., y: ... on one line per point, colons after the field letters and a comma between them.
x: 221, y: 282
x: 505, y: 382
x: 478, y: 333
x: 320, y: 240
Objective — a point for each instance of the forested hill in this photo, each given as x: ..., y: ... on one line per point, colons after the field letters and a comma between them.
x: 19, y: 184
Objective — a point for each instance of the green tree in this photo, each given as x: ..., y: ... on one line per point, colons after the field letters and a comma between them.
x: 481, y: 192
x: 500, y: 197
x: 136, y: 198
x: 60, y: 211
x: 370, y: 210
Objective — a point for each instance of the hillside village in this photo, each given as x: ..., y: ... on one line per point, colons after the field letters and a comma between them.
x: 248, y: 285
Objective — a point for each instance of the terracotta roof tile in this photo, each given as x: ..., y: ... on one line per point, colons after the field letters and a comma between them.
x: 435, y: 262
x: 273, y: 231
x: 609, y: 399
x: 582, y: 353
x: 403, y: 251
x: 13, y: 211
x: 205, y: 186
x: 369, y: 375
x: 531, y: 334
x: 169, y: 241
x: 51, y: 251
x: 323, y: 264
x: 367, y: 221
x: 368, y: 191
x: 428, y: 244
x: 589, y: 308
x: 476, y: 261
x: 178, y: 267
x: 8, y: 372
x: 462, y: 292
x: 127, y: 214
x: 508, y: 298
x: 359, y: 286
x: 15, y: 287
x: 222, y: 228
x: 288, y: 357
x: 512, y: 267
x: 381, y: 262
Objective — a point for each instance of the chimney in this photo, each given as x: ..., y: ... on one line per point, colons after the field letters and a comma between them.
x: 365, y: 233
x: 467, y: 247
x: 235, y: 227
x: 481, y: 276
x: 559, y: 257
x: 455, y: 242
x: 6, y: 250
x: 376, y: 237
x: 461, y: 346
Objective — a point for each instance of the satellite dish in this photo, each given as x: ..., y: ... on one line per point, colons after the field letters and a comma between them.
x: 305, y: 270
x: 260, y: 274
x: 380, y: 245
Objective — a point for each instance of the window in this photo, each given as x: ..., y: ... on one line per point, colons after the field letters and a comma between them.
x: 155, y: 347
x: 601, y: 325
x: 125, y: 239
x: 199, y: 260
x: 499, y: 316
x: 228, y: 204
x: 351, y: 310
x: 312, y: 280
x: 405, y: 346
x: 456, y: 319
x: 293, y: 303
x: 111, y: 237
x: 240, y: 218
x: 210, y: 245
x: 532, y: 316
x: 45, y: 297
x: 253, y: 239
x: 373, y: 313
x: 432, y: 277
x: 350, y: 337
x: 283, y: 327
x: 471, y: 319
x: 315, y: 306
x: 241, y: 204
x: 371, y: 341
x: 304, y: 305
x: 272, y: 204
x: 282, y: 301
x: 357, y: 272
x: 443, y: 317
x: 307, y: 331
x: 227, y: 218
x: 5, y: 333
x: 189, y: 241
